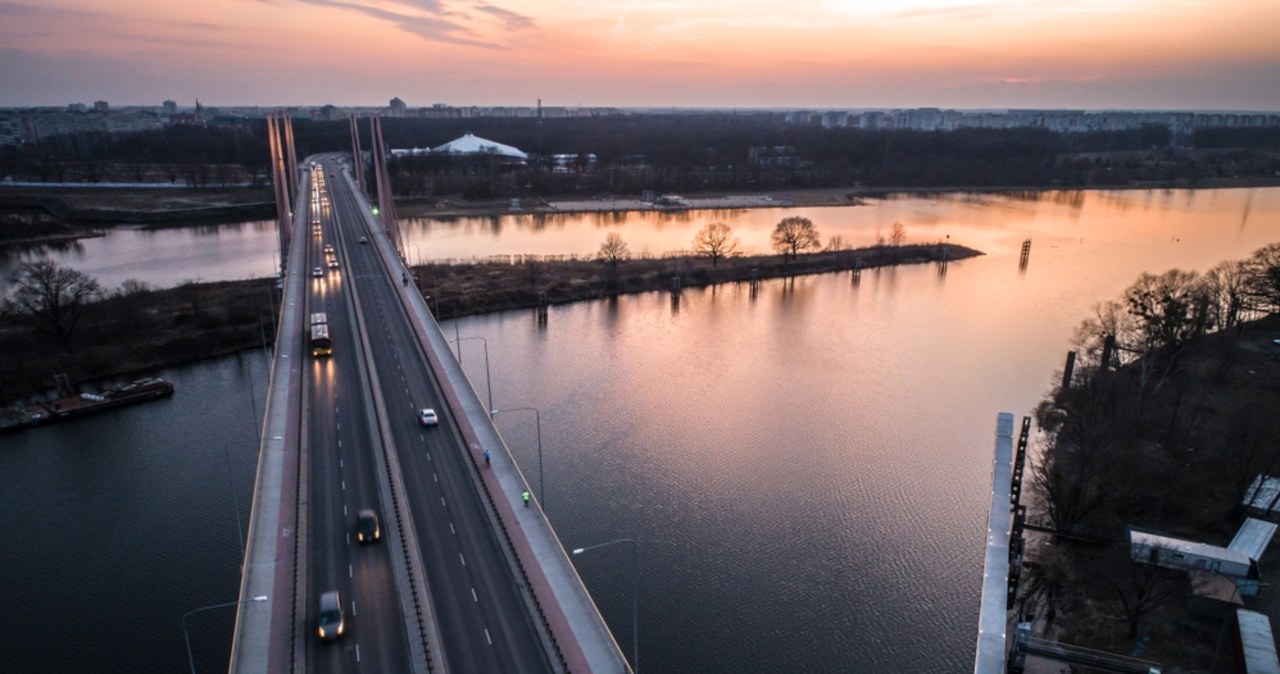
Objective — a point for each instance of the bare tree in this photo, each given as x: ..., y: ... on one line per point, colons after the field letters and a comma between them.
x: 51, y: 298
x: 835, y: 244
x: 898, y: 234
x: 1228, y: 285
x: 1143, y: 587
x: 793, y: 235
x: 715, y: 241
x: 1264, y: 276
x: 614, y: 249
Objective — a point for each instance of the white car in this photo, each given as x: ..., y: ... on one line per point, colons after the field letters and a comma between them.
x: 427, y: 417
x: 317, y: 272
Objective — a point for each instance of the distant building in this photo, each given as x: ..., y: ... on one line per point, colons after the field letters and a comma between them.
x: 170, y: 107
x: 398, y: 108
x: 101, y: 106
x: 469, y: 144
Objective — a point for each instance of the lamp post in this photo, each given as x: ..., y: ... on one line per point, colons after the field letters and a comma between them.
x: 635, y: 595
x: 186, y: 636
x: 488, y: 382
x: 537, y: 418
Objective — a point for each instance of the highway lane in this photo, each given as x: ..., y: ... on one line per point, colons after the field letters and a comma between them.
x: 483, y: 618
x: 342, y: 479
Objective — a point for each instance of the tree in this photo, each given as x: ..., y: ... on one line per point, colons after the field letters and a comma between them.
x: 1264, y: 275
x: 898, y: 234
x: 614, y: 249
x: 1228, y: 285
x: 51, y: 298
x: 793, y: 235
x: 715, y: 241
x: 1144, y: 588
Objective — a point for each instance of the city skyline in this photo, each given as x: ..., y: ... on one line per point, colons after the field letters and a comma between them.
x: 964, y: 54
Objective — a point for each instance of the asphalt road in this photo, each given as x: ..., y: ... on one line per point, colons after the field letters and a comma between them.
x: 483, y: 620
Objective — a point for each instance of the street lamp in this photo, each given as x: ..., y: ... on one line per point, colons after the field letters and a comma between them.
x: 537, y: 418
x: 488, y: 382
x: 187, y: 636
x: 635, y: 596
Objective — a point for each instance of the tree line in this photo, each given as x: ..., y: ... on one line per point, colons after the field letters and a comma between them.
x: 671, y: 153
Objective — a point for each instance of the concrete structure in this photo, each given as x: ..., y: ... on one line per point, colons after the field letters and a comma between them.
x: 1184, y: 555
x: 1253, y: 538
x: 1256, y: 646
x: 993, y: 616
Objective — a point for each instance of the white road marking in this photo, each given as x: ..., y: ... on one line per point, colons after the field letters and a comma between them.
x: 443, y: 503
x: 340, y: 460
x: 452, y: 530
x: 464, y: 559
x: 435, y: 477
x: 473, y: 595
x: 339, y: 443
x: 351, y: 573
x: 353, y: 608
x: 357, y: 652
x: 344, y: 485
x: 348, y: 538
x: 344, y: 510
x: 339, y: 425
x: 487, y: 637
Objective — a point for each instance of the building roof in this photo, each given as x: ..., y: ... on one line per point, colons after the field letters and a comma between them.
x: 1257, y: 643
x: 469, y: 144
x: 1141, y: 543
x: 1262, y: 496
x: 1253, y: 537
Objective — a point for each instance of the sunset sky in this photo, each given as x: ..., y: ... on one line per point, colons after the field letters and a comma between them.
x: 1131, y: 54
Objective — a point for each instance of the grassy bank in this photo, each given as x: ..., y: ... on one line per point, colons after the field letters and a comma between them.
x: 128, y: 334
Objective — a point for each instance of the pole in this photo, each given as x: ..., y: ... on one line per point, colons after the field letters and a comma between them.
x: 635, y: 595
x: 537, y: 418
x: 488, y: 380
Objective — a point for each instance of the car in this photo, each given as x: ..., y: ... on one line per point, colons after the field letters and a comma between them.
x: 427, y: 417
x: 364, y: 239
x: 328, y: 249
x: 333, y: 263
x: 317, y: 272
x: 367, y: 529
x: 330, y: 624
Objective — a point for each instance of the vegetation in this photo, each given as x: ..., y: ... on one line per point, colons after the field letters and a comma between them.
x: 716, y: 241
x: 62, y: 322
x: 685, y: 153
x: 794, y: 235
x: 1163, y: 424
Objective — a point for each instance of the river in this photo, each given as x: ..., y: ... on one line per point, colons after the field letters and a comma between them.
x: 806, y: 468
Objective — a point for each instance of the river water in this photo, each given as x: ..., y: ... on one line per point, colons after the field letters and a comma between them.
x: 806, y: 468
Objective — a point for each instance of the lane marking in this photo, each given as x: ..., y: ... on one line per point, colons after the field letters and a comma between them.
x: 487, y: 637
x: 443, y: 503
x: 435, y: 477
x: 340, y: 460
x: 357, y: 652
x: 348, y: 538
x: 452, y: 530
x: 344, y: 485
x: 473, y: 595
x: 344, y: 510
x: 464, y: 559
x: 350, y: 572
x: 353, y: 608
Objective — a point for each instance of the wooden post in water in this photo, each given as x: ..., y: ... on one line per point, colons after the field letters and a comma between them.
x: 1026, y: 255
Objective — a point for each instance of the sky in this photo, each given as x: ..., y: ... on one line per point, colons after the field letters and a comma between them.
x: 820, y: 54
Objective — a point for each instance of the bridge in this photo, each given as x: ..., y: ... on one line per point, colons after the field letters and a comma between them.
x: 466, y: 575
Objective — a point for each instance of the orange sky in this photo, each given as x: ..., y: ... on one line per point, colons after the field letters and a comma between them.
x: 1183, y: 54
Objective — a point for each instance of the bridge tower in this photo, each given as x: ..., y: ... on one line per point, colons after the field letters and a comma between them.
x: 280, y: 183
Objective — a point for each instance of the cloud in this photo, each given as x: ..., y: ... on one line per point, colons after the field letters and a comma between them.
x: 424, y: 26
x: 512, y: 20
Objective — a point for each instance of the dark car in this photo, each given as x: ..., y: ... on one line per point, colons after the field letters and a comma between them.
x: 367, y: 529
x: 330, y: 624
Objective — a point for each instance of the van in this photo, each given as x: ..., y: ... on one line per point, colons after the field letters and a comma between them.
x: 330, y: 617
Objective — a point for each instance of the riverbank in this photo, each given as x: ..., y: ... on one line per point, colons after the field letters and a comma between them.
x: 124, y: 336
x: 1173, y: 454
